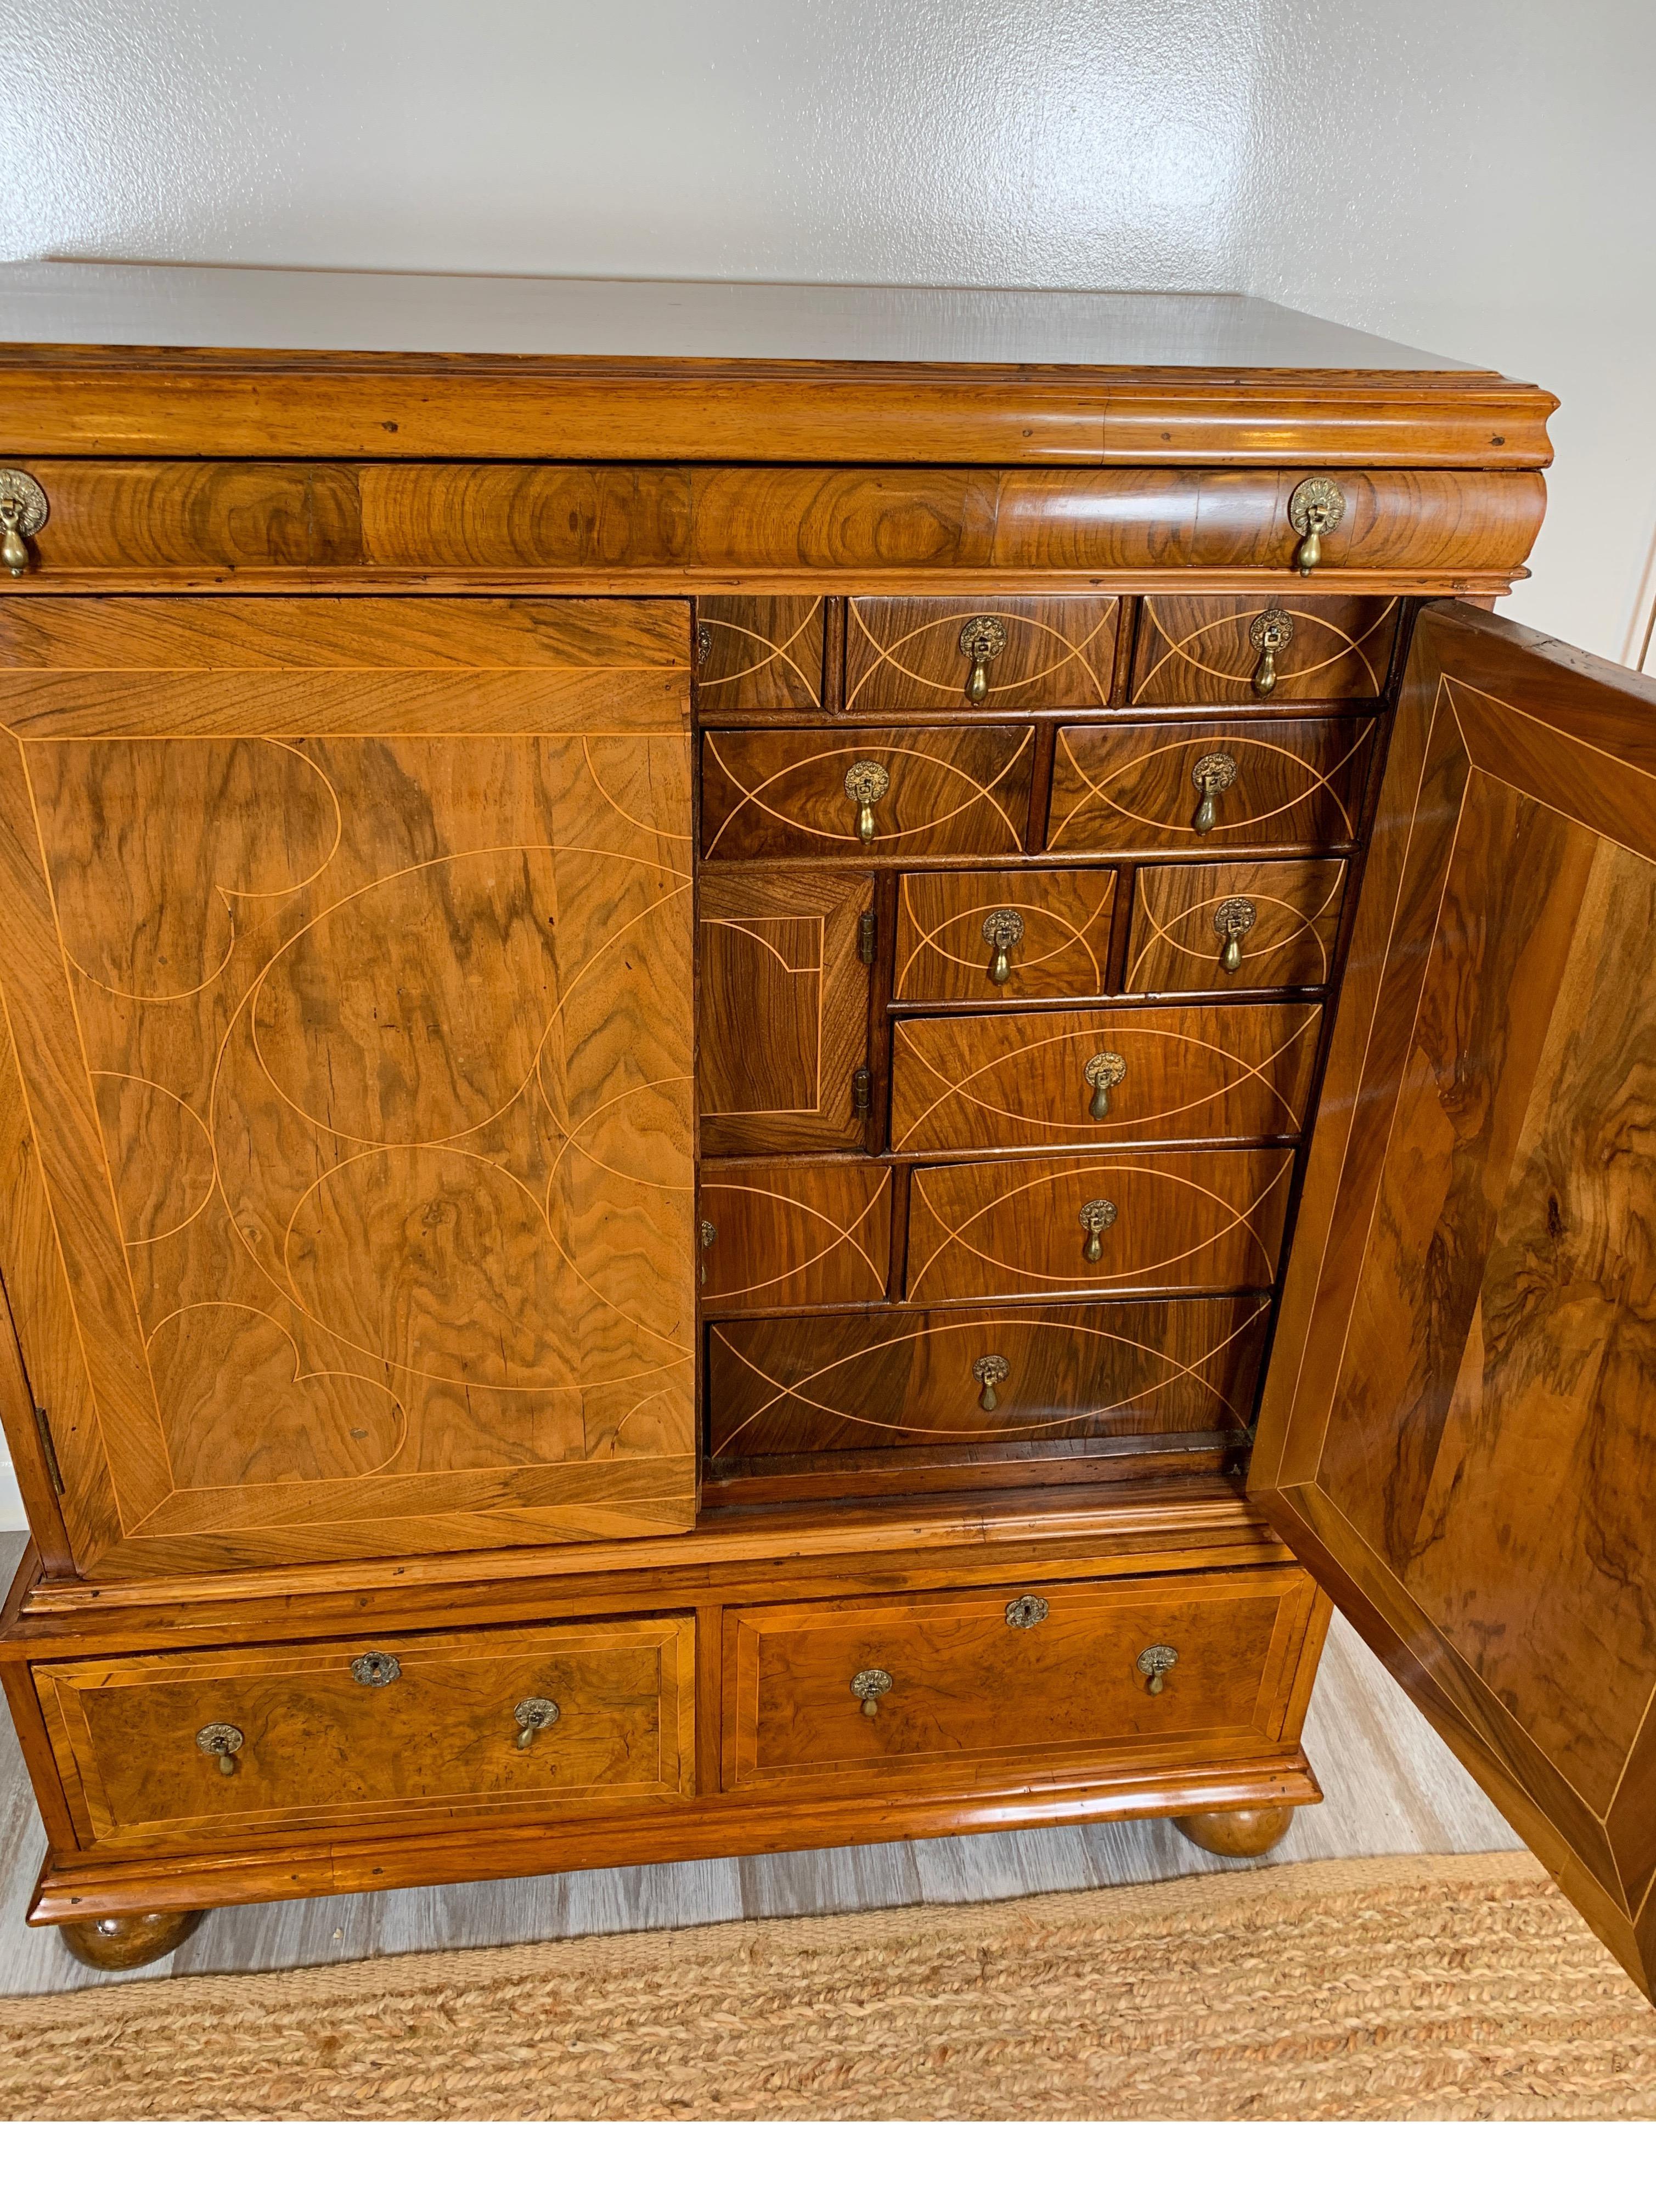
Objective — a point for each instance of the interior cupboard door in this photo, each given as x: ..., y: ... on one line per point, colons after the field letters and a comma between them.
x: 1459, y: 1431
x: 346, y: 952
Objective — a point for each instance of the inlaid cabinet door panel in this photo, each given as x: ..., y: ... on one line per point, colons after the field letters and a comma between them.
x: 779, y: 794
x: 347, y: 954
x: 1028, y: 653
x: 758, y: 654
x: 1275, y: 921
x: 792, y: 1236
x: 1460, y: 1428
x: 1198, y: 651
x: 1144, y: 1367
x: 1145, y: 788
x: 783, y: 1000
x: 1167, y: 1221
x: 1187, y: 1074
x: 1048, y: 927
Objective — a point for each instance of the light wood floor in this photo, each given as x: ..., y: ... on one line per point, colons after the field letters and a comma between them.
x: 1389, y: 1785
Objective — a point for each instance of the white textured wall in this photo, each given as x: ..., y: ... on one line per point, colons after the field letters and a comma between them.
x: 1477, y: 177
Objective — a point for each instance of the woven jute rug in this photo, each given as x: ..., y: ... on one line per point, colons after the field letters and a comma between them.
x: 1372, y: 1989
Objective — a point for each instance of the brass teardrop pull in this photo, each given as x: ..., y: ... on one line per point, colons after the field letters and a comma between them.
x: 866, y: 783
x: 982, y: 640
x: 1102, y: 1072
x: 868, y: 1687
x: 1213, y: 772
x: 987, y: 1371
x: 1096, y: 1216
x: 1154, y: 1665
x: 1268, y: 635
x: 1003, y: 930
x: 1315, y: 507
x: 220, y: 1739
x: 532, y: 1716
x: 23, y: 511
x: 1233, y: 918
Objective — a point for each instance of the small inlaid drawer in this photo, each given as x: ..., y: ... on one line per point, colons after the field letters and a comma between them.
x: 758, y: 655
x: 1243, y: 924
x: 786, y: 1235
x: 1143, y: 1221
x: 484, y: 1724
x: 1038, y: 1673
x: 1013, y: 656
x: 1029, y: 1374
x: 875, y: 794
x: 1007, y: 934
x: 1199, y: 651
x: 1194, y: 786
x: 1138, y: 1075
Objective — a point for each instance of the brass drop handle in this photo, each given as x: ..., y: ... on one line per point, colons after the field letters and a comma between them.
x: 23, y: 511
x: 866, y: 783
x: 532, y: 1716
x: 1003, y: 930
x: 1268, y: 635
x: 1104, y: 1071
x: 1155, y: 1665
x: 1315, y: 507
x: 987, y: 1371
x: 868, y: 1687
x: 1233, y: 918
x: 1213, y: 772
x: 982, y: 640
x: 220, y: 1739
x: 1096, y: 1216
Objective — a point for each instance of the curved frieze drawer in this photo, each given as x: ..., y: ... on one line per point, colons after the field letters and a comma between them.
x: 1013, y: 654
x: 1139, y: 1221
x: 758, y: 655
x: 784, y: 1234
x: 1194, y: 650
x: 1138, y: 1075
x: 1002, y: 935
x: 1030, y: 1374
x: 1194, y: 786
x: 1235, y: 925
x: 865, y: 794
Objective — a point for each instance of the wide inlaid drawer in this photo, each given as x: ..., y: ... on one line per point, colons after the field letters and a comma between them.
x: 483, y: 1724
x: 771, y: 793
x: 1061, y: 1674
x: 1168, y: 1074
x: 1243, y: 924
x: 1199, y: 651
x: 1151, y: 787
x: 1004, y: 934
x: 1044, y: 1228
x: 758, y: 655
x: 791, y: 1235
x: 1014, y: 654
x: 838, y: 1382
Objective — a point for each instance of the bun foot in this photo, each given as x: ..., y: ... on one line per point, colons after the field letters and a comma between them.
x: 124, y: 1940
x: 1245, y: 1834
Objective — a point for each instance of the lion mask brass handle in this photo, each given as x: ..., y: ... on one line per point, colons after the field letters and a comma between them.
x: 988, y: 1371
x: 1096, y: 1216
x: 1268, y: 635
x: 982, y: 640
x: 1102, y: 1072
x: 868, y: 1687
x: 23, y: 511
x: 1315, y: 507
x: 1233, y: 918
x: 1213, y: 772
x: 1003, y: 930
x: 220, y: 1739
x: 866, y: 783
x: 532, y: 1716
x: 1155, y: 1664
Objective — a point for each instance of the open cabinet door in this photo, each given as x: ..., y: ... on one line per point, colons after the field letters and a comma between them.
x: 1458, y: 1433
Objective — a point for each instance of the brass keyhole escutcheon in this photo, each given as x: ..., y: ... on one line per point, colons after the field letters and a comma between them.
x: 1268, y: 635
x: 1102, y: 1072
x: 982, y: 640
x: 1027, y: 1612
x: 1213, y: 772
x: 532, y: 1716
x: 1233, y: 918
x: 1315, y: 507
x: 1154, y: 1665
x: 868, y: 1687
x: 1096, y: 1216
x: 866, y: 783
x: 23, y: 511
x: 1003, y: 930
x: 704, y: 644
x: 987, y: 1372
x: 220, y: 1739
x: 375, y: 1669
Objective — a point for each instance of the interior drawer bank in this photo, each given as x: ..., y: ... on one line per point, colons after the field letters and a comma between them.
x: 1058, y: 1673
x: 488, y: 1723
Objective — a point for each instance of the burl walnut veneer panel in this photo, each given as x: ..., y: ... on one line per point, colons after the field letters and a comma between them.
x: 792, y: 1235
x: 1198, y: 651
x: 758, y: 655
x: 767, y: 793
x: 1141, y: 786
x: 1053, y: 924
x: 1285, y: 916
x: 919, y: 654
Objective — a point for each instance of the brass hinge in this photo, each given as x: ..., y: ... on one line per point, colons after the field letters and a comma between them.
x: 862, y: 1089
x: 49, y: 1450
x: 865, y: 938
